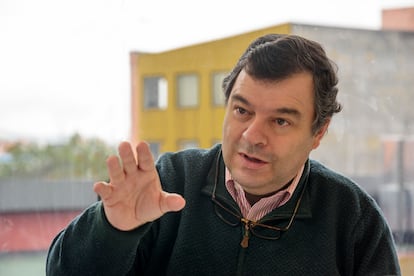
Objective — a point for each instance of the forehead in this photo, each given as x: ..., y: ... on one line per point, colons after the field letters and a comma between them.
x: 293, y: 92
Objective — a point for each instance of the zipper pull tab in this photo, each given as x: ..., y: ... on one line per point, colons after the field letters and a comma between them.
x: 245, y: 241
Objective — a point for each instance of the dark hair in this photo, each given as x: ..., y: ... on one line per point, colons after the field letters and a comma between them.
x: 275, y: 57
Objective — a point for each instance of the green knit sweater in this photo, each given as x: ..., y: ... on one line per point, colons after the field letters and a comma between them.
x: 338, y: 230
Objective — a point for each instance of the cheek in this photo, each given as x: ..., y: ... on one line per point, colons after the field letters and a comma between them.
x: 226, y: 142
x: 225, y: 123
x: 225, y: 136
x: 228, y: 130
x: 296, y: 148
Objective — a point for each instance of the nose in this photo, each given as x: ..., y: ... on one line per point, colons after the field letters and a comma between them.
x: 255, y: 133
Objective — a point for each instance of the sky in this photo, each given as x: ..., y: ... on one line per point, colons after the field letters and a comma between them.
x: 64, y: 65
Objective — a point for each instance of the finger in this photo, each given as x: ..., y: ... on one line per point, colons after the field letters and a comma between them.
x: 144, y: 156
x: 128, y: 159
x: 103, y: 189
x: 115, y: 171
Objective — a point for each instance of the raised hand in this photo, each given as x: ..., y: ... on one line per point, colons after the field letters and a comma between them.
x: 134, y: 195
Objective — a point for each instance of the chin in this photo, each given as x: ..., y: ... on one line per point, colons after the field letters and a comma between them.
x: 246, y: 176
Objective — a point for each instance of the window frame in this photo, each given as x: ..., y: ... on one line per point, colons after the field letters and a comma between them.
x: 214, y: 94
x: 162, y: 100
x: 179, y: 96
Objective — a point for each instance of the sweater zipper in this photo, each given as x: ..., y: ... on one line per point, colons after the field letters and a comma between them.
x: 244, y: 244
x: 246, y: 235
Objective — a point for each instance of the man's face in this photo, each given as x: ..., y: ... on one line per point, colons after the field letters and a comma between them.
x: 267, y: 131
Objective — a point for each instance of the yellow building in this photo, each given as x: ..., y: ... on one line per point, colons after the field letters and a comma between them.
x: 177, y: 100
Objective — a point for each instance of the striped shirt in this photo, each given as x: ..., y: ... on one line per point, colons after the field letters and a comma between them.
x: 264, y: 205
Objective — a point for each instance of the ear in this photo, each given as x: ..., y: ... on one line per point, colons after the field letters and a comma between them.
x: 319, y: 135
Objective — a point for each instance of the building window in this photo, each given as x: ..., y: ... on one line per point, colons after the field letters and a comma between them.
x: 215, y: 141
x: 187, y: 90
x: 217, y: 90
x: 155, y: 92
x: 187, y: 144
x: 155, y: 148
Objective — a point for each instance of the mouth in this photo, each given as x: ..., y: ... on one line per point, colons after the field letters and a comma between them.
x: 252, y: 159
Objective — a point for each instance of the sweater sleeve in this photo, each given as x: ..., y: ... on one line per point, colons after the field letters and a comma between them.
x: 375, y: 252
x: 91, y: 246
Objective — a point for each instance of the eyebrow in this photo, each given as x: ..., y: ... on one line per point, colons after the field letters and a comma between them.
x: 281, y: 110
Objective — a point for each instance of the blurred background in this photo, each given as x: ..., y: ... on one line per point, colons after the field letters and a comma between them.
x: 78, y: 77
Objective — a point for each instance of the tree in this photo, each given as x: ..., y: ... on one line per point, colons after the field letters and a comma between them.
x: 78, y: 158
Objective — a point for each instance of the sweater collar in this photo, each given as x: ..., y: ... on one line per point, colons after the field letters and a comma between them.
x: 216, y: 181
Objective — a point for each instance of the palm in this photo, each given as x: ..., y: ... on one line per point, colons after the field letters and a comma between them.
x: 134, y: 195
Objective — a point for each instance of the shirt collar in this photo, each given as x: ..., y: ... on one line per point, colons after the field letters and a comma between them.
x: 264, y: 205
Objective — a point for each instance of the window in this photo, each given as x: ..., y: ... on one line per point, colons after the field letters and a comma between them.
x: 187, y: 90
x: 155, y: 148
x: 155, y: 92
x: 187, y: 144
x: 216, y: 88
x: 216, y: 141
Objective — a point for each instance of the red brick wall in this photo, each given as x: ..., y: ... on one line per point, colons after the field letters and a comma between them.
x: 398, y: 19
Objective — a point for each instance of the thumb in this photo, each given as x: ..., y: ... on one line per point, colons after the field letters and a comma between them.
x: 103, y: 189
x: 170, y: 202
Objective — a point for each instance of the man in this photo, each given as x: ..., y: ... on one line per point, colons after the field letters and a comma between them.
x: 255, y: 205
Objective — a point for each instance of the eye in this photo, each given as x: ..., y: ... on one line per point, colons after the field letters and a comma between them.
x: 241, y: 114
x: 241, y: 110
x: 281, y: 122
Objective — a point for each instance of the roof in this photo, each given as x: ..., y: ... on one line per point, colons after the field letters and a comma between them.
x: 17, y: 195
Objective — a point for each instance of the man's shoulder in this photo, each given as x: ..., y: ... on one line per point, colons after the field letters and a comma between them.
x: 323, y: 172
x: 194, y: 161
x: 334, y: 179
x: 190, y: 155
x: 334, y: 183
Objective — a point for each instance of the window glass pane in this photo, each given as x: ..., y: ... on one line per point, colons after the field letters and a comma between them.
x: 155, y: 148
x: 217, y: 90
x: 155, y: 92
x: 187, y: 90
x: 215, y: 141
x: 187, y: 144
